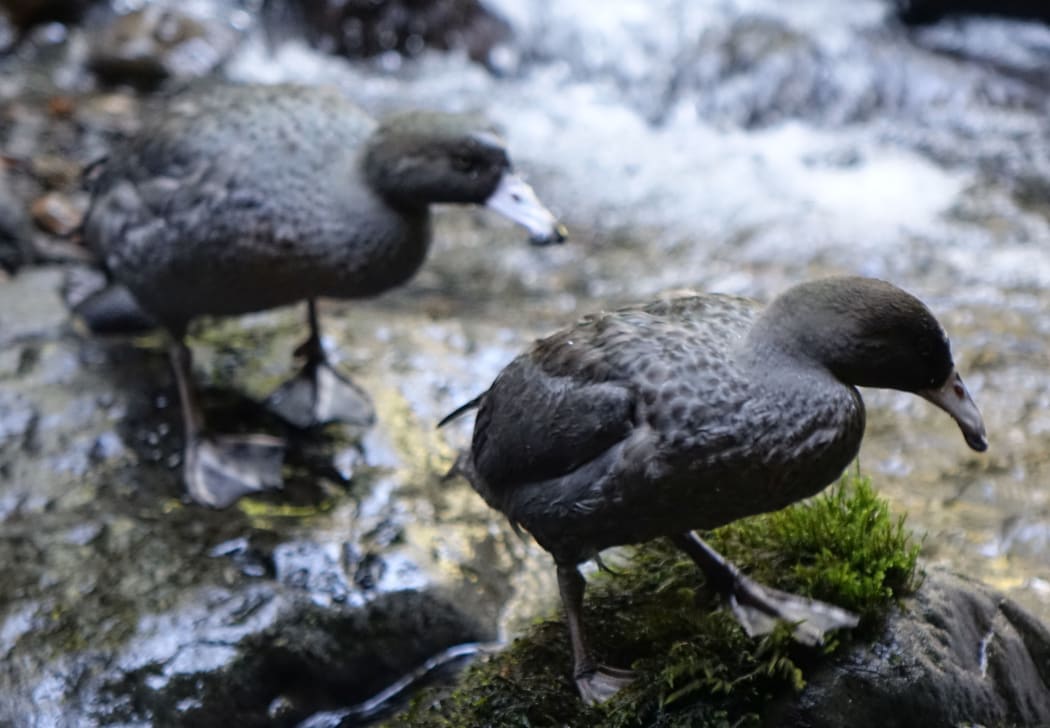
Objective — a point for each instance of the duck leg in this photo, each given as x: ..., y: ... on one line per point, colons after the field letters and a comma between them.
x: 220, y: 469
x: 758, y: 608
x: 596, y: 683
x: 318, y: 393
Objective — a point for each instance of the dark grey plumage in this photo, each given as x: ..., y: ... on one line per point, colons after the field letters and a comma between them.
x: 240, y: 198
x: 694, y: 411
x: 235, y: 199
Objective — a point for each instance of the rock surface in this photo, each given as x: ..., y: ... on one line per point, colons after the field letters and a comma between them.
x: 123, y: 605
x: 363, y: 28
x: 158, y: 42
x: 930, y: 11
x: 25, y: 13
x: 14, y: 229
x: 953, y: 653
x: 956, y: 653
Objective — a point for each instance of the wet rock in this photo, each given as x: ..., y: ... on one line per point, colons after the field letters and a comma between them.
x: 52, y: 170
x: 57, y: 214
x: 953, y: 653
x: 956, y: 653
x: 159, y: 41
x: 239, y: 656
x: 8, y: 34
x: 757, y: 70
x: 15, y: 233
x: 29, y: 311
x: 114, y: 113
x: 917, y: 12
x: 17, y: 418
x: 365, y: 28
x: 761, y: 70
x: 121, y: 605
x: 26, y: 13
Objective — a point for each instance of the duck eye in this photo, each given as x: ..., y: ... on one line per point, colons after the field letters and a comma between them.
x: 465, y: 164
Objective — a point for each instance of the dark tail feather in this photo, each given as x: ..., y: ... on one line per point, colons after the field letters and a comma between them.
x: 463, y: 466
x: 459, y: 411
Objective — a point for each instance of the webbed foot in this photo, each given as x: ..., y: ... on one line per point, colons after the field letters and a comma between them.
x: 220, y: 470
x: 759, y: 608
x: 319, y: 394
x: 601, y: 683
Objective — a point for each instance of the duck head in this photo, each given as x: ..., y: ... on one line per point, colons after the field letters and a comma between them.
x: 870, y: 333
x: 418, y: 158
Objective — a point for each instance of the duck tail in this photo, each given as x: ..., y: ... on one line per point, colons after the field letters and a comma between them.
x: 463, y: 466
x: 461, y: 410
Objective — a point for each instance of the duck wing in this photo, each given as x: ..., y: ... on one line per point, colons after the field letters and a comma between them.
x: 534, y: 427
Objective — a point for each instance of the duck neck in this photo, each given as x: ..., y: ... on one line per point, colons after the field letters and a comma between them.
x: 820, y: 418
x: 778, y: 341
x: 394, y: 178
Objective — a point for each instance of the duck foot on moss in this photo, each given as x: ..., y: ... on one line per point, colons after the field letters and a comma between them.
x: 318, y: 393
x: 760, y: 608
x: 220, y: 470
x: 602, y: 683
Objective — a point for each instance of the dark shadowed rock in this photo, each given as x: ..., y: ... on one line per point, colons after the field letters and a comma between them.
x: 157, y: 42
x: 365, y: 28
x: 917, y: 12
x: 26, y: 13
x: 15, y: 243
x: 234, y: 655
x: 956, y: 653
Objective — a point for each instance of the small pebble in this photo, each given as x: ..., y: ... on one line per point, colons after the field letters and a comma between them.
x: 56, y: 213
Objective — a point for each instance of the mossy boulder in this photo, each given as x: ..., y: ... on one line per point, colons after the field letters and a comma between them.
x: 695, y: 665
x: 955, y: 654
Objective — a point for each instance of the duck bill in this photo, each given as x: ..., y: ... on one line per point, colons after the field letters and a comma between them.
x: 515, y: 200
x: 954, y: 398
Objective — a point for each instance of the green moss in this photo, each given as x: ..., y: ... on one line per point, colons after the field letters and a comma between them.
x: 695, y: 666
x: 843, y: 547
